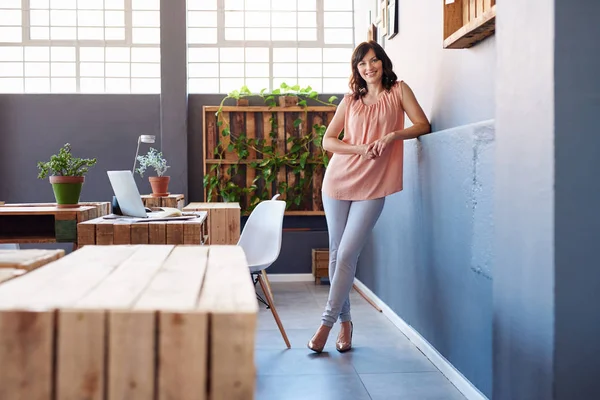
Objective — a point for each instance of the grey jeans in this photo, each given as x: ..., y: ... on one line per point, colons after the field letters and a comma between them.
x: 349, y: 224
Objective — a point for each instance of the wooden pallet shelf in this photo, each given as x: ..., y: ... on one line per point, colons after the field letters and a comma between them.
x: 257, y: 123
x: 468, y: 22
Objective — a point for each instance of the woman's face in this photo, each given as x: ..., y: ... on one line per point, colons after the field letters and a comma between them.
x: 370, y: 68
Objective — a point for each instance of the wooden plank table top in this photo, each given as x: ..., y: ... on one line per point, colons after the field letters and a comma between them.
x: 102, y: 231
x: 131, y: 322
x: 28, y: 259
x: 45, y: 222
x: 9, y: 273
x: 15, y: 263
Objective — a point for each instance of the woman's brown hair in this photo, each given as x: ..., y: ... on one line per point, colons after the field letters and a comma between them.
x: 357, y: 83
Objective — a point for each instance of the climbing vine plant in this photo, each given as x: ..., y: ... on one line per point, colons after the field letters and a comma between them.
x: 301, y: 155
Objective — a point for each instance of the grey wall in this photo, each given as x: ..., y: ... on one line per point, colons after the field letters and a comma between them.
x: 430, y: 255
x: 35, y: 126
x: 547, y: 281
x: 577, y: 186
x: 454, y: 87
x: 524, y: 278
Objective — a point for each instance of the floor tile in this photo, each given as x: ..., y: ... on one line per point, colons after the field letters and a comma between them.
x: 301, y: 361
x: 389, y: 359
x: 272, y: 339
x: 311, y: 387
x: 410, y: 386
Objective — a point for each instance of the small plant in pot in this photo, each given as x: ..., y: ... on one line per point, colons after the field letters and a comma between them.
x: 67, y: 174
x: 154, y: 159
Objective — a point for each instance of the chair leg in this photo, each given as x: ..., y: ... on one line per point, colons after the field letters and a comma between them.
x: 261, y: 280
x: 264, y: 273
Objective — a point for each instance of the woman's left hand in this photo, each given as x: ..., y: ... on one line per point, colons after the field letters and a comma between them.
x: 380, y: 145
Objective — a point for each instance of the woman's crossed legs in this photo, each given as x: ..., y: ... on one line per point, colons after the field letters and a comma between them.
x: 349, y: 224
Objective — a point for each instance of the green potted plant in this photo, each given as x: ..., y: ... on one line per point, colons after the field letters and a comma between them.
x: 66, y: 174
x: 154, y: 159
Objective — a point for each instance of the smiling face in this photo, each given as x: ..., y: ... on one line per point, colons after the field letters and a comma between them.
x: 370, y: 68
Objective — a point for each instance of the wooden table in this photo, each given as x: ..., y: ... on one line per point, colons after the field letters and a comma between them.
x: 117, y: 231
x: 131, y: 322
x: 45, y: 223
x: 223, y: 221
x: 172, y: 200
x: 15, y: 263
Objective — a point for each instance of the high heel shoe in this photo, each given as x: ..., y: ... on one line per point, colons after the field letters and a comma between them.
x: 317, y: 348
x: 342, y: 346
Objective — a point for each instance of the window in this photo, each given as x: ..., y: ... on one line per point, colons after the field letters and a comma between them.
x: 262, y: 43
x: 88, y: 46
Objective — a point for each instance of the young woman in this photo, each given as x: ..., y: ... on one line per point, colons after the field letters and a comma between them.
x: 365, y: 168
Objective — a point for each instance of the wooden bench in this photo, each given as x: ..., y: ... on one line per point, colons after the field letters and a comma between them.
x: 223, y: 221
x: 119, y: 231
x: 131, y: 322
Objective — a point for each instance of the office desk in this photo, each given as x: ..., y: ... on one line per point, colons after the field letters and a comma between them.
x: 117, y: 231
x: 46, y: 223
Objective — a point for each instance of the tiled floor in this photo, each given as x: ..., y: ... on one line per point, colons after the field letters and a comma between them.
x: 383, y: 364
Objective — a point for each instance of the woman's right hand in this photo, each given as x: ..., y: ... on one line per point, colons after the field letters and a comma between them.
x: 366, y: 151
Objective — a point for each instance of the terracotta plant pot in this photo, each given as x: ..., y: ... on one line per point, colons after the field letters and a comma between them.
x: 242, y: 102
x: 288, y: 101
x: 67, y: 190
x: 160, y: 185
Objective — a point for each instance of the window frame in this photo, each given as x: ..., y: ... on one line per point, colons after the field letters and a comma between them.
x: 319, y: 43
x: 77, y: 44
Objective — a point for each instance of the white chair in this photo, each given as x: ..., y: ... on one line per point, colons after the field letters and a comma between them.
x: 261, y: 241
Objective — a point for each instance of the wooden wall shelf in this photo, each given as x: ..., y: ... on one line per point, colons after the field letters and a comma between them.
x: 468, y: 22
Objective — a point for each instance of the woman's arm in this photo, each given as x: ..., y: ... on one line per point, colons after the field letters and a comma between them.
x: 416, y: 115
x: 333, y: 144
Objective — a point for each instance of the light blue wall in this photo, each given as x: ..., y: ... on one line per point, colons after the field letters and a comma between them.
x: 430, y: 255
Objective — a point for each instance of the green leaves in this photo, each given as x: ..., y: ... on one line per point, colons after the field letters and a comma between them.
x: 303, y: 159
x: 153, y: 159
x: 64, y: 164
x: 295, y: 158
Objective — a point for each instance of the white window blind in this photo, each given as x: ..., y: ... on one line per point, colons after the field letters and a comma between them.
x: 88, y: 46
x: 262, y: 43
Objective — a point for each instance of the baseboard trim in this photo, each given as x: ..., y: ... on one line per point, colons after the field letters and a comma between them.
x: 291, y: 277
x: 454, y: 376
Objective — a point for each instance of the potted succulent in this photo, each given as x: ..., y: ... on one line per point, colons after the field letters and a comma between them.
x: 154, y: 159
x: 66, y: 174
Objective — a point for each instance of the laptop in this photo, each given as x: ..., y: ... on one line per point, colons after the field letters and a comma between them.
x: 130, y: 201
